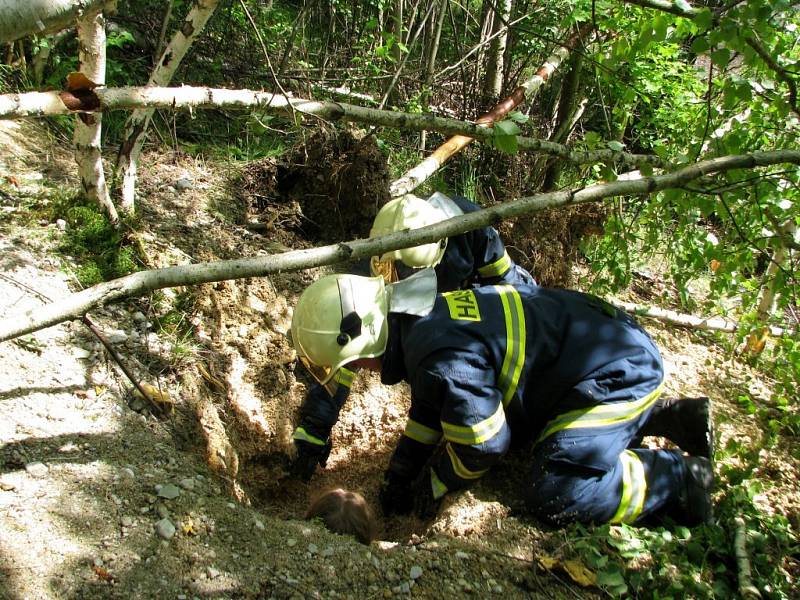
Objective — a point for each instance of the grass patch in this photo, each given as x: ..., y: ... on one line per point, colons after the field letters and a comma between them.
x: 101, y: 252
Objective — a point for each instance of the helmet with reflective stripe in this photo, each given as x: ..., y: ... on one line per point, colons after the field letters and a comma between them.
x: 408, y: 213
x: 338, y: 319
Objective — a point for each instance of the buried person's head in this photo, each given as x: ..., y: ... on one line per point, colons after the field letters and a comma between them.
x: 344, y: 512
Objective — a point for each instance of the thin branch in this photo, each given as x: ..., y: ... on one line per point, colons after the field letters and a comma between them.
x: 779, y: 71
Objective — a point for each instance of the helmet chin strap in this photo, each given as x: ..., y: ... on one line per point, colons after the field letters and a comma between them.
x: 350, y: 325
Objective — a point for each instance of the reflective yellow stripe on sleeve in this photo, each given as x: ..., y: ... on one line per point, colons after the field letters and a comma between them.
x: 475, y: 434
x: 421, y: 433
x: 602, y: 415
x: 460, y: 469
x: 344, y: 377
x: 516, y: 336
x: 302, y: 434
x: 634, y: 489
x: 496, y: 269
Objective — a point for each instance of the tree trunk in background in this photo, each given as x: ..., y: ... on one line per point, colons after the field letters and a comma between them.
x: 42, y: 56
x: 88, y: 127
x: 139, y: 120
x: 493, y: 81
x: 397, y: 29
x: 430, y: 58
x: 565, y: 118
x: 757, y: 340
x: 21, y: 18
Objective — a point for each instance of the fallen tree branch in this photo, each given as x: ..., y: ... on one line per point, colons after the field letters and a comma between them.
x: 746, y: 588
x: 47, y: 104
x: 716, y: 323
x: 142, y: 282
x: 40, y: 17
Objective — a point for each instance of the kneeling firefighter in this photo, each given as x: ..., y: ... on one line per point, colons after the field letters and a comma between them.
x: 467, y: 260
x: 562, y: 370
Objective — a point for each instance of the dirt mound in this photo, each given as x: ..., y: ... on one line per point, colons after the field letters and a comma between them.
x: 548, y: 242
x: 328, y: 189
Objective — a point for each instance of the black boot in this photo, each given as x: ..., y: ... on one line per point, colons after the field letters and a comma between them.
x: 686, y: 422
x: 694, y: 505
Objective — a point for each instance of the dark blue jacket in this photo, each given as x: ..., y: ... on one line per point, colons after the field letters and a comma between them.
x: 495, y: 362
x: 474, y: 258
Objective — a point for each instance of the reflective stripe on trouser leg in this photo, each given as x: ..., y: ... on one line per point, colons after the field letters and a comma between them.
x: 634, y: 489
x: 562, y: 491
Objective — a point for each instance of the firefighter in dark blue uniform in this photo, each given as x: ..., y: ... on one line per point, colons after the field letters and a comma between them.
x: 563, y: 370
x: 471, y: 259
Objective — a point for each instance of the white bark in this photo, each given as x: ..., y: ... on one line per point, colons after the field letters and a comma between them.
x: 139, y: 120
x: 493, y: 84
x: 690, y: 321
x: 88, y: 126
x: 21, y: 18
x: 146, y: 281
x: 44, y: 104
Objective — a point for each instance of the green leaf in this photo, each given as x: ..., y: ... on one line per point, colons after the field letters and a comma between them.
x: 506, y: 143
x: 700, y: 45
x: 660, y: 28
x: 721, y: 57
x: 610, y: 578
x: 646, y: 169
x: 616, y: 146
x: 506, y: 128
x: 518, y: 117
x: 703, y: 19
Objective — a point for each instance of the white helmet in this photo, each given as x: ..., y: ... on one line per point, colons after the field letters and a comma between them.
x: 408, y: 213
x: 338, y: 319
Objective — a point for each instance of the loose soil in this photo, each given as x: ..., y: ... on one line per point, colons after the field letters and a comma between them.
x: 89, y: 476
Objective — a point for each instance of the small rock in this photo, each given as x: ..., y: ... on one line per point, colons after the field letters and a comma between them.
x: 165, y: 529
x: 162, y: 511
x: 312, y: 549
x: 138, y: 317
x: 291, y: 542
x: 168, y: 491
x: 61, y: 224
x: 36, y: 469
x: 126, y: 521
x: 462, y: 555
x: 98, y: 562
x: 231, y: 505
x: 416, y: 572
x: 7, y: 485
x: 259, y: 525
x: 327, y: 552
x: 187, y: 483
x: 116, y: 337
x: 212, y: 572
x: 127, y: 473
x: 183, y: 184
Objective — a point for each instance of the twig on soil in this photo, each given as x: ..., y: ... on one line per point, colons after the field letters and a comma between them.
x: 93, y: 328
x: 746, y: 588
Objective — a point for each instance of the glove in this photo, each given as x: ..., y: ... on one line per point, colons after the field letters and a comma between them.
x: 425, y: 506
x: 396, y: 494
x: 308, y: 457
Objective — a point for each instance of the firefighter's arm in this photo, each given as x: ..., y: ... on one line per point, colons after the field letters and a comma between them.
x: 420, y: 438
x: 475, y: 432
x: 318, y: 415
x: 492, y: 262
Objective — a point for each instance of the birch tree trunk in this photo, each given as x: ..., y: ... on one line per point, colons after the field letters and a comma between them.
x: 757, y: 340
x: 493, y: 82
x: 139, y: 120
x: 21, y: 18
x: 88, y: 126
